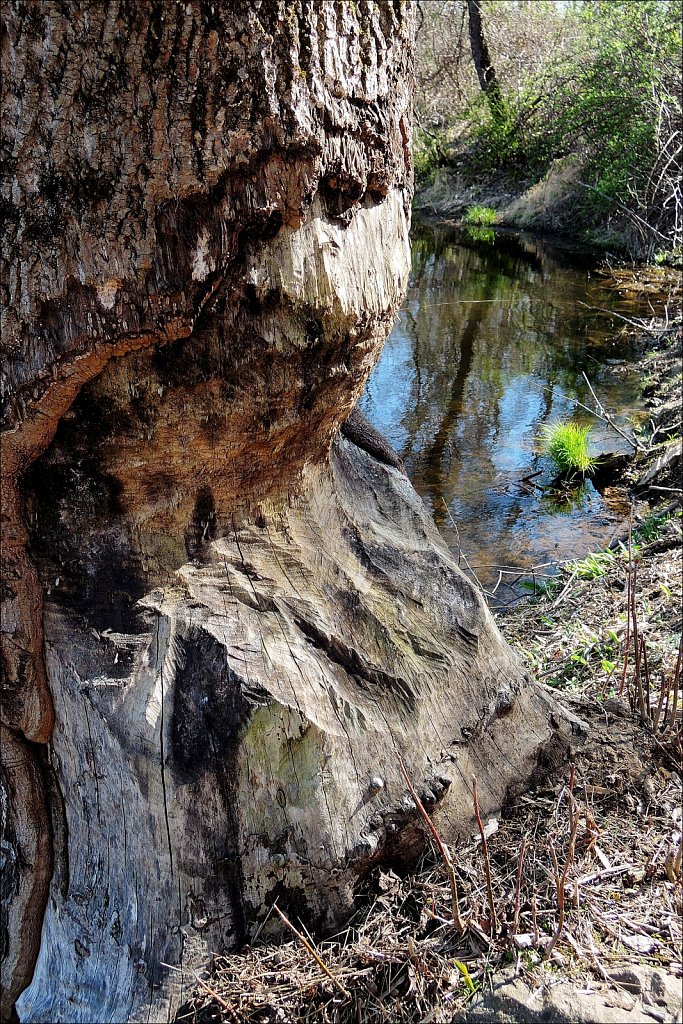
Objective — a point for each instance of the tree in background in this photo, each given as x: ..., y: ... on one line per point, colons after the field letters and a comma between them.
x: 450, y: 105
x: 597, y: 83
x: 486, y: 73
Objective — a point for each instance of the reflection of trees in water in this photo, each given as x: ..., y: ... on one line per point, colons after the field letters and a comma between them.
x: 566, y: 499
x: 469, y: 307
x: 479, y: 322
x: 526, y: 322
x: 430, y: 469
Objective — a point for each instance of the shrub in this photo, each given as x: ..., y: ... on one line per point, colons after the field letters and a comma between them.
x: 481, y: 216
x: 596, y: 82
x: 427, y: 156
x: 566, y: 444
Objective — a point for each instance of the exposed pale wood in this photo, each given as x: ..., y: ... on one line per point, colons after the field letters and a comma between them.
x: 222, y: 620
x: 224, y: 750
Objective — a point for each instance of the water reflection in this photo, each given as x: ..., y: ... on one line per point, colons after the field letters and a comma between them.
x: 491, y: 345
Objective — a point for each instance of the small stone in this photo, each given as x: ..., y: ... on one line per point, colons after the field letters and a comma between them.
x: 628, y: 979
x: 640, y: 943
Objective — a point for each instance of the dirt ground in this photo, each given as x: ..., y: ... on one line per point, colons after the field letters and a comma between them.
x: 579, y: 887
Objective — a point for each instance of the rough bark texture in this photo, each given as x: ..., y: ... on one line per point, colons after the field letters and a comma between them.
x: 219, y: 633
x: 481, y: 57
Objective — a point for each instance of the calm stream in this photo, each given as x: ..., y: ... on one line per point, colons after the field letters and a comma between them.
x: 490, y: 345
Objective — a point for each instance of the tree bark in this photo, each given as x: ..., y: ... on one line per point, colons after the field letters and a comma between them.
x: 486, y: 73
x: 223, y: 622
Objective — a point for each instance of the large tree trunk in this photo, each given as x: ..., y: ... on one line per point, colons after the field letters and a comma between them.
x: 224, y: 622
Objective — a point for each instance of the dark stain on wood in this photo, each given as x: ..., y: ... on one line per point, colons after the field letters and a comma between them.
x: 209, y: 710
x: 202, y: 529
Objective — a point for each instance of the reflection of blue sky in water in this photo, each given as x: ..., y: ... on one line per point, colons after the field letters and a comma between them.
x: 389, y: 389
x: 519, y: 410
x: 458, y: 392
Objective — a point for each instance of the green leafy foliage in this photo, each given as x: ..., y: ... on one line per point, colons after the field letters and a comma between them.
x: 594, y: 84
x: 499, y: 143
x: 651, y: 528
x: 481, y: 216
x: 592, y: 566
x: 611, y: 105
x: 539, y: 587
x: 566, y: 444
x: 427, y: 156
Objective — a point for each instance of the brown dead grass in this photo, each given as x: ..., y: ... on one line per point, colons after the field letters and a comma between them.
x: 602, y: 839
x: 401, y: 959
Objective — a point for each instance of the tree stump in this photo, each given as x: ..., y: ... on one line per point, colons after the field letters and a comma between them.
x: 224, y: 622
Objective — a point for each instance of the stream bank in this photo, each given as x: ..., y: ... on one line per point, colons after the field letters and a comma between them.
x: 587, y: 862
x: 554, y: 206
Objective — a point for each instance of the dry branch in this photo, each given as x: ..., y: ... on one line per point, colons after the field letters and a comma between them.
x: 307, y: 945
x: 445, y: 855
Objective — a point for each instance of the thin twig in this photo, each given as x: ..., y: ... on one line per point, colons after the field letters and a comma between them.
x: 207, y: 988
x: 487, y: 861
x: 627, y: 211
x: 637, y: 651
x: 635, y: 444
x: 462, y: 553
x: 639, y: 325
x: 597, y: 875
x: 304, y: 942
x: 214, y: 995
x: 662, y: 693
x: 646, y: 667
x: 457, y: 919
x: 565, y: 590
x: 520, y: 864
x: 561, y: 880
x: 627, y: 642
x: 671, y: 722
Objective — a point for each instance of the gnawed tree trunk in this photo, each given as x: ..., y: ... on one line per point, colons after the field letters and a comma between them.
x: 224, y: 621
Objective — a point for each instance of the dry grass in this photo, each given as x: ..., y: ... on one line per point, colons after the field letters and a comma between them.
x: 610, y: 627
x: 583, y: 880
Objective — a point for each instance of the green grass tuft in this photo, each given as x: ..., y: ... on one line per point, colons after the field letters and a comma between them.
x: 592, y: 566
x: 480, y: 216
x: 566, y: 443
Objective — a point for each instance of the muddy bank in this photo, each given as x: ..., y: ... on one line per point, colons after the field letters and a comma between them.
x: 653, y: 470
x: 556, y: 205
x: 542, y: 206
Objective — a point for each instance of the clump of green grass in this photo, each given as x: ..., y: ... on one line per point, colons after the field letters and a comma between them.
x: 592, y: 566
x: 566, y: 444
x: 480, y: 216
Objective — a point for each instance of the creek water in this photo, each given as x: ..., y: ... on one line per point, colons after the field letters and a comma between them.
x: 490, y: 345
